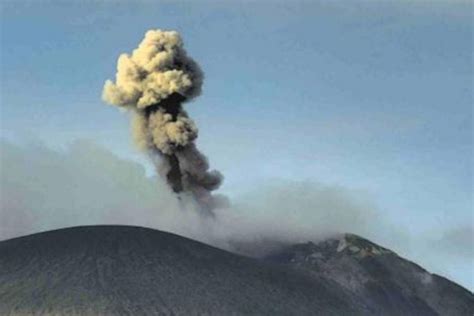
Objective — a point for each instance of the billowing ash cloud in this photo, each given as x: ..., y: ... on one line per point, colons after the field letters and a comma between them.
x: 153, y: 82
x: 97, y: 192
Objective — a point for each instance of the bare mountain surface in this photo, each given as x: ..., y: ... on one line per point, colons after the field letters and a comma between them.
x: 123, y: 270
x: 383, y: 282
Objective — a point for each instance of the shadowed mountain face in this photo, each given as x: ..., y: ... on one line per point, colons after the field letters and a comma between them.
x: 121, y: 270
x: 118, y: 270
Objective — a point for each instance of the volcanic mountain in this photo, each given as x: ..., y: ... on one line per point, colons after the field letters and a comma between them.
x: 383, y: 282
x: 123, y: 270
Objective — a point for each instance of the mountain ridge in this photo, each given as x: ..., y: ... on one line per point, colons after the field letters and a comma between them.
x: 129, y: 270
x: 377, y: 276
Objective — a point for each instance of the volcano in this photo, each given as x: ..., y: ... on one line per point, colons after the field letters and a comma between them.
x: 123, y: 270
x: 383, y: 282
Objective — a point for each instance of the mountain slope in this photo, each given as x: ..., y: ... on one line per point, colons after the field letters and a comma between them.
x: 383, y: 282
x: 123, y: 270
x: 120, y: 270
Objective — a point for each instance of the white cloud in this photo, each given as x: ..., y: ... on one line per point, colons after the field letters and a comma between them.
x: 43, y: 189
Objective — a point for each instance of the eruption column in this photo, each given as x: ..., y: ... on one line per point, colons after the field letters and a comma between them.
x: 153, y: 82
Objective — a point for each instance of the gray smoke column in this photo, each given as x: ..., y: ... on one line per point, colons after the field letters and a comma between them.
x: 153, y: 82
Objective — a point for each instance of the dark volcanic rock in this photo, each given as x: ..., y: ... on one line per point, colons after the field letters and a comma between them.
x: 383, y: 282
x: 120, y: 270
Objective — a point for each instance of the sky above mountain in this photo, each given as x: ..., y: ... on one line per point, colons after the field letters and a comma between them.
x: 375, y: 97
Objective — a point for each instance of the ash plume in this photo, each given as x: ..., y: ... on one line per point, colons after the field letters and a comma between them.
x: 153, y: 82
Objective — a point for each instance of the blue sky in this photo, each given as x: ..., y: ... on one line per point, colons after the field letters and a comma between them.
x: 373, y: 96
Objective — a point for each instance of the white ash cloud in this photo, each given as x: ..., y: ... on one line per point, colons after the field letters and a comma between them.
x: 87, y: 184
x: 156, y: 69
x: 42, y: 189
x: 153, y: 82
